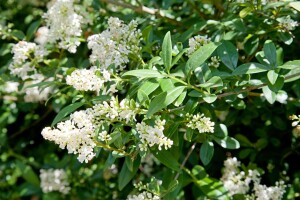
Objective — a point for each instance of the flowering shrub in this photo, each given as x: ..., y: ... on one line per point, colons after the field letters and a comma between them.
x: 172, y: 99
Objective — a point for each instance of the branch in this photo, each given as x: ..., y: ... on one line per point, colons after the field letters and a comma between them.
x: 185, y: 160
x: 142, y: 10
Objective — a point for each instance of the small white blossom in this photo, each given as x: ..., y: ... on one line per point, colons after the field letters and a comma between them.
x: 153, y: 135
x: 64, y: 25
x: 143, y: 196
x: 200, y: 122
x: 196, y: 42
x: 41, y: 36
x: 54, y: 180
x: 23, y: 54
x: 11, y: 87
x: 262, y: 192
x: 104, y: 136
x: 287, y: 24
x: 114, y: 45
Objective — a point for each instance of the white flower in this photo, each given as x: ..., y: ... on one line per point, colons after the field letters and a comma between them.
x: 287, y: 24
x: 143, y: 196
x: 262, y: 192
x: 11, y: 86
x: 104, y: 136
x: 203, y: 124
x: 85, y: 80
x: 54, y: 180
x: 113, y: 46
x: 196, y: 42
x: 64, y: 25
x: 153, y: 135
x: 23, y: 54
x: 41, y: 36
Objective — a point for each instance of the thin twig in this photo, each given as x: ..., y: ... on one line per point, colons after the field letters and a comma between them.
x: 185, y: 160
x: 142, y: 10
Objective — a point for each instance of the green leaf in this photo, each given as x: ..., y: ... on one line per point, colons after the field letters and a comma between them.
x: 272, y: 76
x: 167, y: 51
x: 166, y: 158
x: 144, y: 73
x: 178, y: 56
x: 200, y: 56
x: 129, y: 163
x: 206, y: 152
x: 295, y: 5
x: 189, y: 134
x: 199, y: 172
x: 228, y: 143
x: 203, y: 73
x: 215, y: 81
x: 293, y: 75
x: 291, y: 65
x: 210, y: 98
x: 148, y: 87
x: 66, y: 111
x: 277, y: 85
x: 270, y: 53
x: 43, y: 83
x: 212, y: 188
x: 18, y: 34
x: 28, y: 174
x: 249, y: 68
x: 228, y: 55
x: 32, y: 29
x: 164, y: 99
x: 180, y: 99
x: 166, y: 84
x: 251, y: 45
x: 243, y: 13
x: 101, y: 98
x: 269, y: 94
x: 220, y: 131
x: 126, y: 174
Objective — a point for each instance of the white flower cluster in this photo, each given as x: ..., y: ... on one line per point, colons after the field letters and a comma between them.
x: 54, y: 180
x: 238, y: 182
x: 200, y: 122
x: 89, y: 79
x: 114, y: 45
x: 23, y: 55
x: 196, y: 42
x: 64, y: 25
x: 215, y: 62
x: 143, y: 196
x: 11, y: 86
x: 114, y: 111
x: 151, y: 135
x: 287, y: 24
x: 34, y: 94
x: 297, y: 118
x: 75, y: 134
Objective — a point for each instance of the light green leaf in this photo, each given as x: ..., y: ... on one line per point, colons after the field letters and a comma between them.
x: 293, y: 75
x: 295, y: 5
x: 291, y: 65
x: 149, y: 86
x: 212, y: 188
x: 228, y: 54
x: 270, y: 53
x: 269, y: 94
x: 166, y: 84
x: 180, y: 99
x: 215, y: 81
x: 66, y: 111
x: 220, y: 131
x: 228, y: 142
x: 206, y: 152
x: 200, y: 56
x: 243, y: 13
x: 189, y: 134
x: 210, y: 98
x: 167, y: 51
x: 178, y: 56
x: 126, y: 174
x: 28, y: 174
x: 164, y: 99
x: 249, y: 68
x: 144, y: 73
x: 272, y: 76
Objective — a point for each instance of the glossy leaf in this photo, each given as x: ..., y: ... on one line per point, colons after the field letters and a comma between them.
x: 228, y: 55
x: 166, y: 158
x: 249, y: 68
x: 200, y: 56
x: 144, y: 73
x: 270, y: 53
x: 269, y: 94
x: 164, y: 99
x: 228, y: 143
x: 66, y: 111
x: 206, y: 152
x: 212, y: 188
x: 167, y: 51
x: 215, y: 81
x: 272, y: 76
x: 126, y: 174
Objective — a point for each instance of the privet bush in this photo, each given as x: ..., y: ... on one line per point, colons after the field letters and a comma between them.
x: 171, y: 99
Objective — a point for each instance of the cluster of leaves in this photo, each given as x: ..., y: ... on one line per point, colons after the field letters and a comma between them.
x: 257, y: 65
